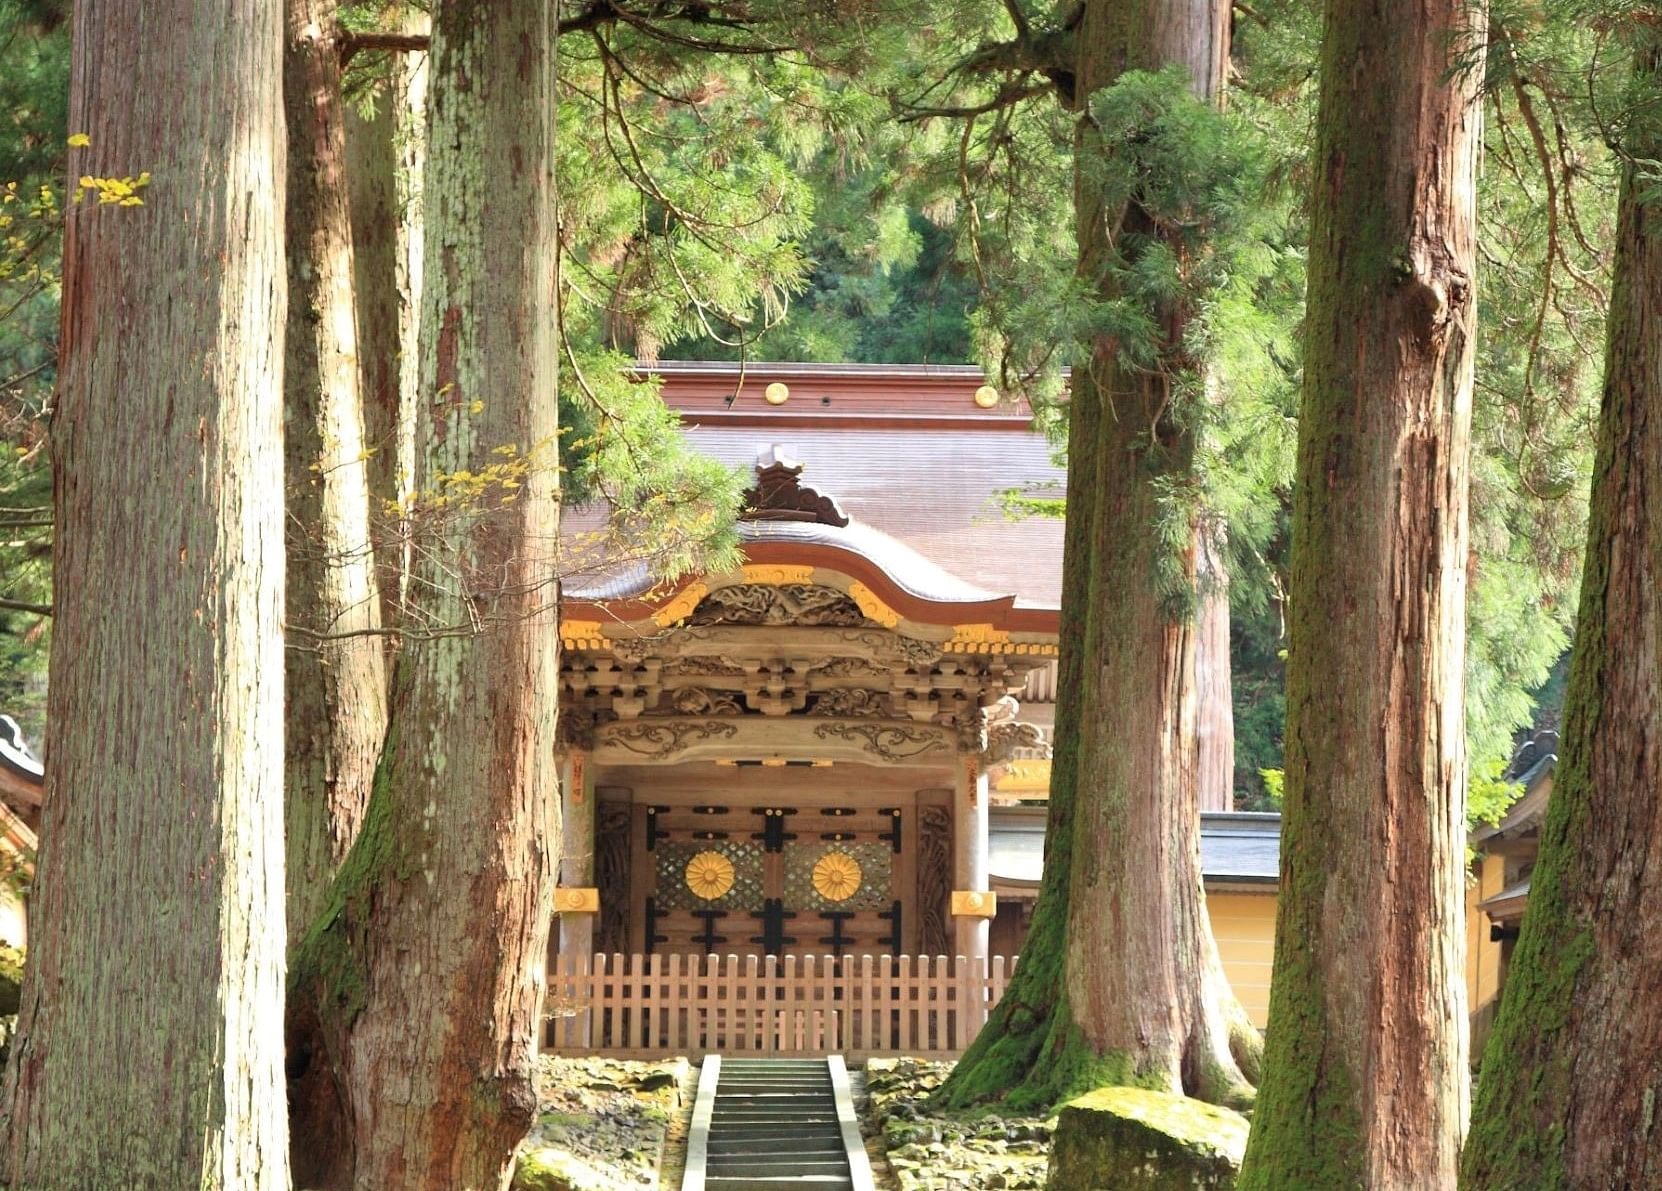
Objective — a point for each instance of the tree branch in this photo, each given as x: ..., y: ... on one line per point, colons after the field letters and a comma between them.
x: 24, y: 606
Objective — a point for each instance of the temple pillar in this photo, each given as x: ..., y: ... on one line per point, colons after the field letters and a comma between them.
x: 575, y: 899
x: 972, y: 901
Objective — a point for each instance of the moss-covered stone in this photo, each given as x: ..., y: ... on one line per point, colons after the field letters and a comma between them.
x: 1133, y: 1139
x: 555, y: 1170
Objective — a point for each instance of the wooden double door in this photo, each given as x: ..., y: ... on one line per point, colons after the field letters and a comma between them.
x: 781, y: 878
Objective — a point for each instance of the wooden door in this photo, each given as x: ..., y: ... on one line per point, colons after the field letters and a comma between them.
x: 777, y: 879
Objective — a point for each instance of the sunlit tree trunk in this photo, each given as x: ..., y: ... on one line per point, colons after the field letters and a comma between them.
x: 1573, y: 1070
x: 428, y: 970
x: 1365, y: 1065
x: 1120, y: 980
x: 384, y: 152
x: 336, y: 669
x: 149, y: 1046
x: 1214, y: 678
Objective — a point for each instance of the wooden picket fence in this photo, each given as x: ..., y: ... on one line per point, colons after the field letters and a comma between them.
x: 634, y: 1006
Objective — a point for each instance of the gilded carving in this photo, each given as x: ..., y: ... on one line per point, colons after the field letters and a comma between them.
x: 777, y: 575
x: 869, y: 603
x: 581, y: 634
x: 678, y: 608
x: 836, y: 876
x: 709, y: 875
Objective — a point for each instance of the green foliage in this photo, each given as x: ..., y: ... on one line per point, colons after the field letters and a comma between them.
x: 34, y: 92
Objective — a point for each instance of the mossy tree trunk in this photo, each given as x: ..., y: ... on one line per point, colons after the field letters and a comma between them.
x: 336, y: 693
x: 383, y: 167
x: 148, y: 1051
x: 1365, y: 1066
x: 1573, y: 1070
x: 428, y: 967
x: 1120, y: 980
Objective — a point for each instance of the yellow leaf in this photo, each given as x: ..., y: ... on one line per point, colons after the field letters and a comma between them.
x: 79, y: 140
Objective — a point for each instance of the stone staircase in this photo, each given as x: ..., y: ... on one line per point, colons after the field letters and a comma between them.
x: 769, y: 1124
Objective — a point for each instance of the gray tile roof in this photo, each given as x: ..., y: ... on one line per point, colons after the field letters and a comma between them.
x: 1236, y: 848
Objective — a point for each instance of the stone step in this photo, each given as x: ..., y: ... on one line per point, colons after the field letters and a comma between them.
x: 797, y: 1169
x: 747, y: 1142
x: 811, y: 1182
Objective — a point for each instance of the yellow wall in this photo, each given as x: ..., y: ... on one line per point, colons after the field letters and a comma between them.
x: 1482, y: 956
x: 1244, y: 924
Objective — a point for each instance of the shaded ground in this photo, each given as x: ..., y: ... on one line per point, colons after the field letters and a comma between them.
x: 929, y: 1151
x: 602, y: 1124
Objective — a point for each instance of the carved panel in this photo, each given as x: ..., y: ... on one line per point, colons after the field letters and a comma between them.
x: 891, y: 742
x: 1004, y: 741
x: 612, y: 878
x: 656, y: 740
x: 838, y: 876
x: 709, y: 875
x: 697, y: 700
x: 703, y: 665
x: 934, y: 879
x: 764, y: 604
x: 853, y: 703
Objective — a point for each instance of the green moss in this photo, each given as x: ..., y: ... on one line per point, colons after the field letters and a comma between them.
x: 554, y: 1170
x: 1306, y: 1126
x: 1126, y: 1139
x: 327, y: 959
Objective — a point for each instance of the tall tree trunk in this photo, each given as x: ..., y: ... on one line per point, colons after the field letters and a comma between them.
x: 1123, y: 983
x: 383, y: 167
x: 1214, y: 686
x: 429, y: 968
x: 336, y: 670
x: 1573, y: 1069
x: 1365, y: 1066
x: 149, y: 1045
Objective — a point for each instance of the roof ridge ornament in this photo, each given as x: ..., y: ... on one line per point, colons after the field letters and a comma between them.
x: 779, y: 494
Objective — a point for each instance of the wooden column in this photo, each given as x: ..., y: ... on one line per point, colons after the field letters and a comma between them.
x: 577, y: 811
x: 970, y: 914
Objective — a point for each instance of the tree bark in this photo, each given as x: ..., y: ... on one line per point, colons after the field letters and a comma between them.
x: 1214, y: 686
x: 428, y: 967
x: 1365, y: 1066
x: 383, y: 167
x: 148, y: 1052
x: 335, y: 665
x: 1573, y: 1068
x: 1120, y: 980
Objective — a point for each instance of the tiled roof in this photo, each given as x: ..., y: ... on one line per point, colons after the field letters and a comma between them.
x: 1236, y: 847
x: 906, y: 452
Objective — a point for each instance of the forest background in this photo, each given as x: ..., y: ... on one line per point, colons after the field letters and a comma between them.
x: 730, y: 206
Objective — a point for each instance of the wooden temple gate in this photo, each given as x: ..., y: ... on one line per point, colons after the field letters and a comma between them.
x: 635, y: 1006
